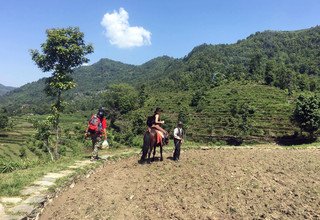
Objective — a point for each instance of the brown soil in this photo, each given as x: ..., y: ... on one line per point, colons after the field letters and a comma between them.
x: 225, y: 183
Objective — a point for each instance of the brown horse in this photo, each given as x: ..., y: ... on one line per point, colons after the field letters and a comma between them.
x: 150, y: 143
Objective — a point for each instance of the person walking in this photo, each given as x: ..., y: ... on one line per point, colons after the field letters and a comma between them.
x: 97, y: 130
x: 178, y: 135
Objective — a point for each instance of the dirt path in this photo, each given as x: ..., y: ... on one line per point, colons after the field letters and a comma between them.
x: 213, y: 184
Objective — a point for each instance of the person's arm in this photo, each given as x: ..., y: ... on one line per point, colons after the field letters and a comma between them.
x: 104, y: 134
x: 175, y: 134
x: 157, y: 120
x: 104, y: 126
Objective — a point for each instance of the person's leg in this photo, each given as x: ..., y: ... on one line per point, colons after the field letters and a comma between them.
x: 178, y: 150
x: 96, y: 146
x: 160, y: 129
x: 176, y: 142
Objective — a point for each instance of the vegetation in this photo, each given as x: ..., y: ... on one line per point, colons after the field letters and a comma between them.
x: 247, y: 89
x: 307, y: 114
x: 5, y: 89
x: 64, y: 50
x: 4, y: 120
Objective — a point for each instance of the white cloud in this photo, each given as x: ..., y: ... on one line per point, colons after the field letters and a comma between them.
x: 119, y: 32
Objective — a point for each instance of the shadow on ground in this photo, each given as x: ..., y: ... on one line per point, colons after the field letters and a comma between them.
x: 289, y: 140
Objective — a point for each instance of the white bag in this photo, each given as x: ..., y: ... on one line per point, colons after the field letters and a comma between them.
x: 105, y: 144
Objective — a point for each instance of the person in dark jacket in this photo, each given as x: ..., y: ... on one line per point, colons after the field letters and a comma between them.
x: 178, y: 135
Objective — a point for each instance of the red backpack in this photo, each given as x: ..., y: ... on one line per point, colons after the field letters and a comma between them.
x: 95, y: 124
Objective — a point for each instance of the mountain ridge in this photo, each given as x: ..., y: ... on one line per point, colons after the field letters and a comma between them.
x: 284, y: 59
x: 4, y: 89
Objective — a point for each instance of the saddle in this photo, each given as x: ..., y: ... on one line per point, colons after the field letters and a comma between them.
x: 160, y: 136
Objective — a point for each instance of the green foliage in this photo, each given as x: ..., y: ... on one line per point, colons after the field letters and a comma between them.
x: 287, y: 60
x: 5, y: 89
x: 9, y: 166
x: 4, y: 121
x: 121, y: 98
x: 64, y: 50
x: 43, y: 133
x: 306, y: 114
x: 241, y: 121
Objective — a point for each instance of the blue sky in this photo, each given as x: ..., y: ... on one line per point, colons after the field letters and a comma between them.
x: 154, y: 28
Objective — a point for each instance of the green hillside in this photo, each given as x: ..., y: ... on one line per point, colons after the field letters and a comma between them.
x: 5, y: 89
x: 30, y: 98
x: 285, y: 59
x: 265, y: 70
x: 207, y: 120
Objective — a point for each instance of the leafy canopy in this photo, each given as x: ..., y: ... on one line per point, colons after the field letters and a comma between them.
x: 64, y: 50
x: 307, y: 113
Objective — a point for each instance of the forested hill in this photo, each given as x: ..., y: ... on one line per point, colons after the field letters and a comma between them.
x: 5, y: 89
x: 89, y: 79
x: 284, y: 59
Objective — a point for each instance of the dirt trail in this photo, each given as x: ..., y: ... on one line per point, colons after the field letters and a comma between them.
x: 226, y: 183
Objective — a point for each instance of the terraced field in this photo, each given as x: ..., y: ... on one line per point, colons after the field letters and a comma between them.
x: 273, y: 108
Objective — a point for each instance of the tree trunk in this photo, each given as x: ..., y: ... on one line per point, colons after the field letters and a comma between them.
x: 49, y: 150
x: 57, y: 121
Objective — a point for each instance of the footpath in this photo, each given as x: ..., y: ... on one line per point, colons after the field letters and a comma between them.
x: 34, y: 198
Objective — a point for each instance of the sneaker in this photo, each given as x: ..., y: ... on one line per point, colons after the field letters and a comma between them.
x: 94, y: 158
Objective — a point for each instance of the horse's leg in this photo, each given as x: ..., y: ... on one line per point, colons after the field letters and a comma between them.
x: 149, y: 152
x: 161, y: 158
x: 154, y: 150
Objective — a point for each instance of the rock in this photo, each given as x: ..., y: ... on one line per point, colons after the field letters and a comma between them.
x: 36, y: 199
x: 55, y: 175
x: 11, y: 217
x: 11, y: 200
x: 44, y: 183
x: 2, y: 213
x: 66, y: 172
x: 72, y: 185
x: 23, y: 208
x: 104, y: 157
x: 73, y: 167
x: 33, y: 190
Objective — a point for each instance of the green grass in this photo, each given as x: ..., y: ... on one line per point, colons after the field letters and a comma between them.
x: 12, y: 183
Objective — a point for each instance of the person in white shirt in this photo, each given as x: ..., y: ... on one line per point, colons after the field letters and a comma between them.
x: 178, y: 140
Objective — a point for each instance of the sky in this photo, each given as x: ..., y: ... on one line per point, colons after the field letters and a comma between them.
x: 135, y: 31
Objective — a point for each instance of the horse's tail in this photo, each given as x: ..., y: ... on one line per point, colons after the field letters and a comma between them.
x: 146, y: 144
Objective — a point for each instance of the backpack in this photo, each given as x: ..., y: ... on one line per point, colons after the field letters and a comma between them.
x: 151, y: 120
x: 95, y: 124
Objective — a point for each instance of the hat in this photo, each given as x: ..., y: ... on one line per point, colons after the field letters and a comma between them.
x: 180, y: 123
x: 101, y: 112
x: 158, y: 110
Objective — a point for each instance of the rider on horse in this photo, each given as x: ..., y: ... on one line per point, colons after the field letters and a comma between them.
x: 156, y: 122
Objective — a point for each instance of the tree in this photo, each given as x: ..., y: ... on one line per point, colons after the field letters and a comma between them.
x: 240, y: 123
x: 43, y: 133
x: 63, y: 51
x: 142, y: 95
x: 3, y: 121
x: 120, y: 99
x: 306, y: 114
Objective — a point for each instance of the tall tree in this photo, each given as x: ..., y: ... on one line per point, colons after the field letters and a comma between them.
x: 63, y: 51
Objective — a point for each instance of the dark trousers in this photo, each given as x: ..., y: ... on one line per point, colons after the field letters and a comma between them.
x: 177, y: 146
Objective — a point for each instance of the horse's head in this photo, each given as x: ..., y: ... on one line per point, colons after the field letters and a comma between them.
x: 166, y: 141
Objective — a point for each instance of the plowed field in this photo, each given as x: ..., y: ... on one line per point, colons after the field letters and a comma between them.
x: 226, y: 183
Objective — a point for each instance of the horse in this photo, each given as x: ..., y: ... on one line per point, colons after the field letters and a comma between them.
x: 150, y: 143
